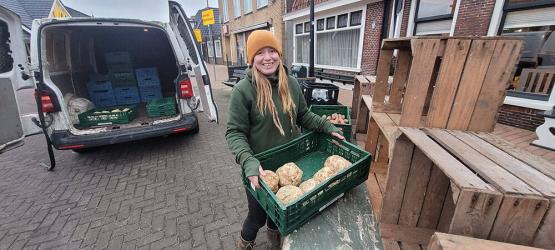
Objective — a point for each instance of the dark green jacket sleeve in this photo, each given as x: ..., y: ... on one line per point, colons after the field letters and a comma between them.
x: 237, y: 131
x: 309, y: 120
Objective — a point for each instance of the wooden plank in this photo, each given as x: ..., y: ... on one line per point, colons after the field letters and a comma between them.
x: 475, y: 213
x: 518, y: 219
x: 395, y: 184
x: 411, y: 235
x: 382, y: 77
x: 487, y: 169
x: 472, y: 79
x: 419, y: 176
x: 447, y: 82
x: 382, y: 181
x: 423, y: 61
x: 521, y: 170
x: 456, y: 171
x: 387, y: 126
x: 447, y: 211
x: 492, y: 94
x: 399, y: 78
x: 381, y: 158
x: 536, y: 162
x: 433, y: 199
x: 410, y: 246
x: 375, y: 195
x: 358, y: 88
x: 372, y: 134
x: 390, y: 245
x: 441, y: 241
x: 546, y: 233
x: 363, y: 113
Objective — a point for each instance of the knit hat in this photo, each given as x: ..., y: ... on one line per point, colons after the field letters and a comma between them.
x: 258, y: 40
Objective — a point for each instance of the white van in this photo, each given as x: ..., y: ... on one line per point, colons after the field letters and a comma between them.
x: 67, y: 54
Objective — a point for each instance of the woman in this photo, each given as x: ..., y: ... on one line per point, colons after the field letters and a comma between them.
x: 264, y: 111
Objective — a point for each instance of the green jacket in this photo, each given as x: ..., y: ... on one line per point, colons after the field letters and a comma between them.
x: 249, y: 133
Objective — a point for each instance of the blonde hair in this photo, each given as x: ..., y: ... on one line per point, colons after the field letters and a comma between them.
x: 264, y: 100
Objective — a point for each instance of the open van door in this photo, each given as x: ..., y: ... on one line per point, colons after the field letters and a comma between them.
x: 180, y: 25
x: 13, y: 76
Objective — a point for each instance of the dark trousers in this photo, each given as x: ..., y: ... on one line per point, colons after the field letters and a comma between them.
x: 255, y: 220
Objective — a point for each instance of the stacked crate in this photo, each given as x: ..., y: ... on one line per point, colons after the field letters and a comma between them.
x: 149, y: 84
x: 122, y: 76
x: 100, y: 91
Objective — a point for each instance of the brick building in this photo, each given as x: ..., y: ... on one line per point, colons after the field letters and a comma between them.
x: 240, y: 17
x: 346, y: 43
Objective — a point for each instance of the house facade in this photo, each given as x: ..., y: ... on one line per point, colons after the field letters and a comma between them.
x: 241, y: 17
x: 211, y: 36
x: 346, y: 43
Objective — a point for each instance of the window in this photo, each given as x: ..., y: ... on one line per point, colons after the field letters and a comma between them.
x: 533, y: 22
x: 261, y: 3
x: 237, y: 7
x: 218, y: 48
x: 330, y: 23
x: 248, y: 6
x: 320, y: 24
x: 224, y: 10
x: 434, y: 17
x: 307, y: 27
x: 6, y: 60
x: 299, y: 28
x: 336, y: 44
x: 342, y: 21
x: 434, y: 8
x: 356, y: 18
x: 210, y: 49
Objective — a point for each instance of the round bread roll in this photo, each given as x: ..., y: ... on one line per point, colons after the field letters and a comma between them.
x: 336, y: 163
x: 308, y: 185
x: 289, y: 174
x: 289, y: 193
x: 271, y: 179
x: 323, y: 174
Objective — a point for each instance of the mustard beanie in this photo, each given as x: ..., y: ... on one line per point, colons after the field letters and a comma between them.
x: 258, y: 40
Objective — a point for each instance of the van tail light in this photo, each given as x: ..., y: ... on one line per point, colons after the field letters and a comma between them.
x: 48, y: 102
x: 185, y: 89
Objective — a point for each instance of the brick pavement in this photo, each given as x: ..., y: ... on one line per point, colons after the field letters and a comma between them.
x: 180, y: 192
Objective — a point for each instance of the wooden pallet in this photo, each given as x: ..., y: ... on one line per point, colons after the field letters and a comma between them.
x: 457, y: 182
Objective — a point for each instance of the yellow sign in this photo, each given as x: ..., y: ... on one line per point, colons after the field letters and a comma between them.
x: 198, y: 36
x: 58, y: 10
x: 208, y: 17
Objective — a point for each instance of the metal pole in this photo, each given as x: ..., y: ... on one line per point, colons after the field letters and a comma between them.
x: 213, y: 49
x: 311, y: 40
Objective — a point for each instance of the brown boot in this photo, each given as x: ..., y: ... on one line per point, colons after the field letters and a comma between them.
x: 244, y: 245
x: 274, y: 237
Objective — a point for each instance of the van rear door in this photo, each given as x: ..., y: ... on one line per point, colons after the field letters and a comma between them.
x: 184, y: 34
x: 13, y: 71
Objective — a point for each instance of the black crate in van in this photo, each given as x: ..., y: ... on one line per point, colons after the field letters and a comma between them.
x: 319, y: 93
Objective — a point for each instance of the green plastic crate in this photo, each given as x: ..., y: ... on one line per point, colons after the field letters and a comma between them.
x: 89, y: 118
x: 309, y: 153
x: 161, y: 107
x: 331, y: 109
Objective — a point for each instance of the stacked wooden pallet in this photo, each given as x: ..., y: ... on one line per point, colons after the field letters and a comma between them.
x: 467, y: 184
x: 441, y: 241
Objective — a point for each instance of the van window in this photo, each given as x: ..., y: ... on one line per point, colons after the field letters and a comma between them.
x: 184, y: 33
x: 6, y: 60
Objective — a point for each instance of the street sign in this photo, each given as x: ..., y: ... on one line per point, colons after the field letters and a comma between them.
x: 198, y: 36
x: 208, y: 17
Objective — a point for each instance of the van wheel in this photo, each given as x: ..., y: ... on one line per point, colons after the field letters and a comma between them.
x: 195, y: 130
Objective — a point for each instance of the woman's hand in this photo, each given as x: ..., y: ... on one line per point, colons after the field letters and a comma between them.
x: 254, y: 179
x: 338, y: 136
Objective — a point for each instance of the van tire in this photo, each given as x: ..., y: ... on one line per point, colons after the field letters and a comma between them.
x: 195, y: 130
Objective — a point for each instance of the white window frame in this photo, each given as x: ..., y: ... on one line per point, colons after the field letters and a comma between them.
x: 336, y: 14
x: 218, y: 44
x: 261, y: 3
x: 247, y: 7
x: 225, y: 15
x: 237, y: 8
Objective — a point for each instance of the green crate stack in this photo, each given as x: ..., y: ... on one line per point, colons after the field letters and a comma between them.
x: 339, y: 109
x: 309, y: 153
x: 106, y: 116
x: 161, y: 107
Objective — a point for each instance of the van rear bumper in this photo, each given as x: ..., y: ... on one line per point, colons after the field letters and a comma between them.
x: 66, y: 140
